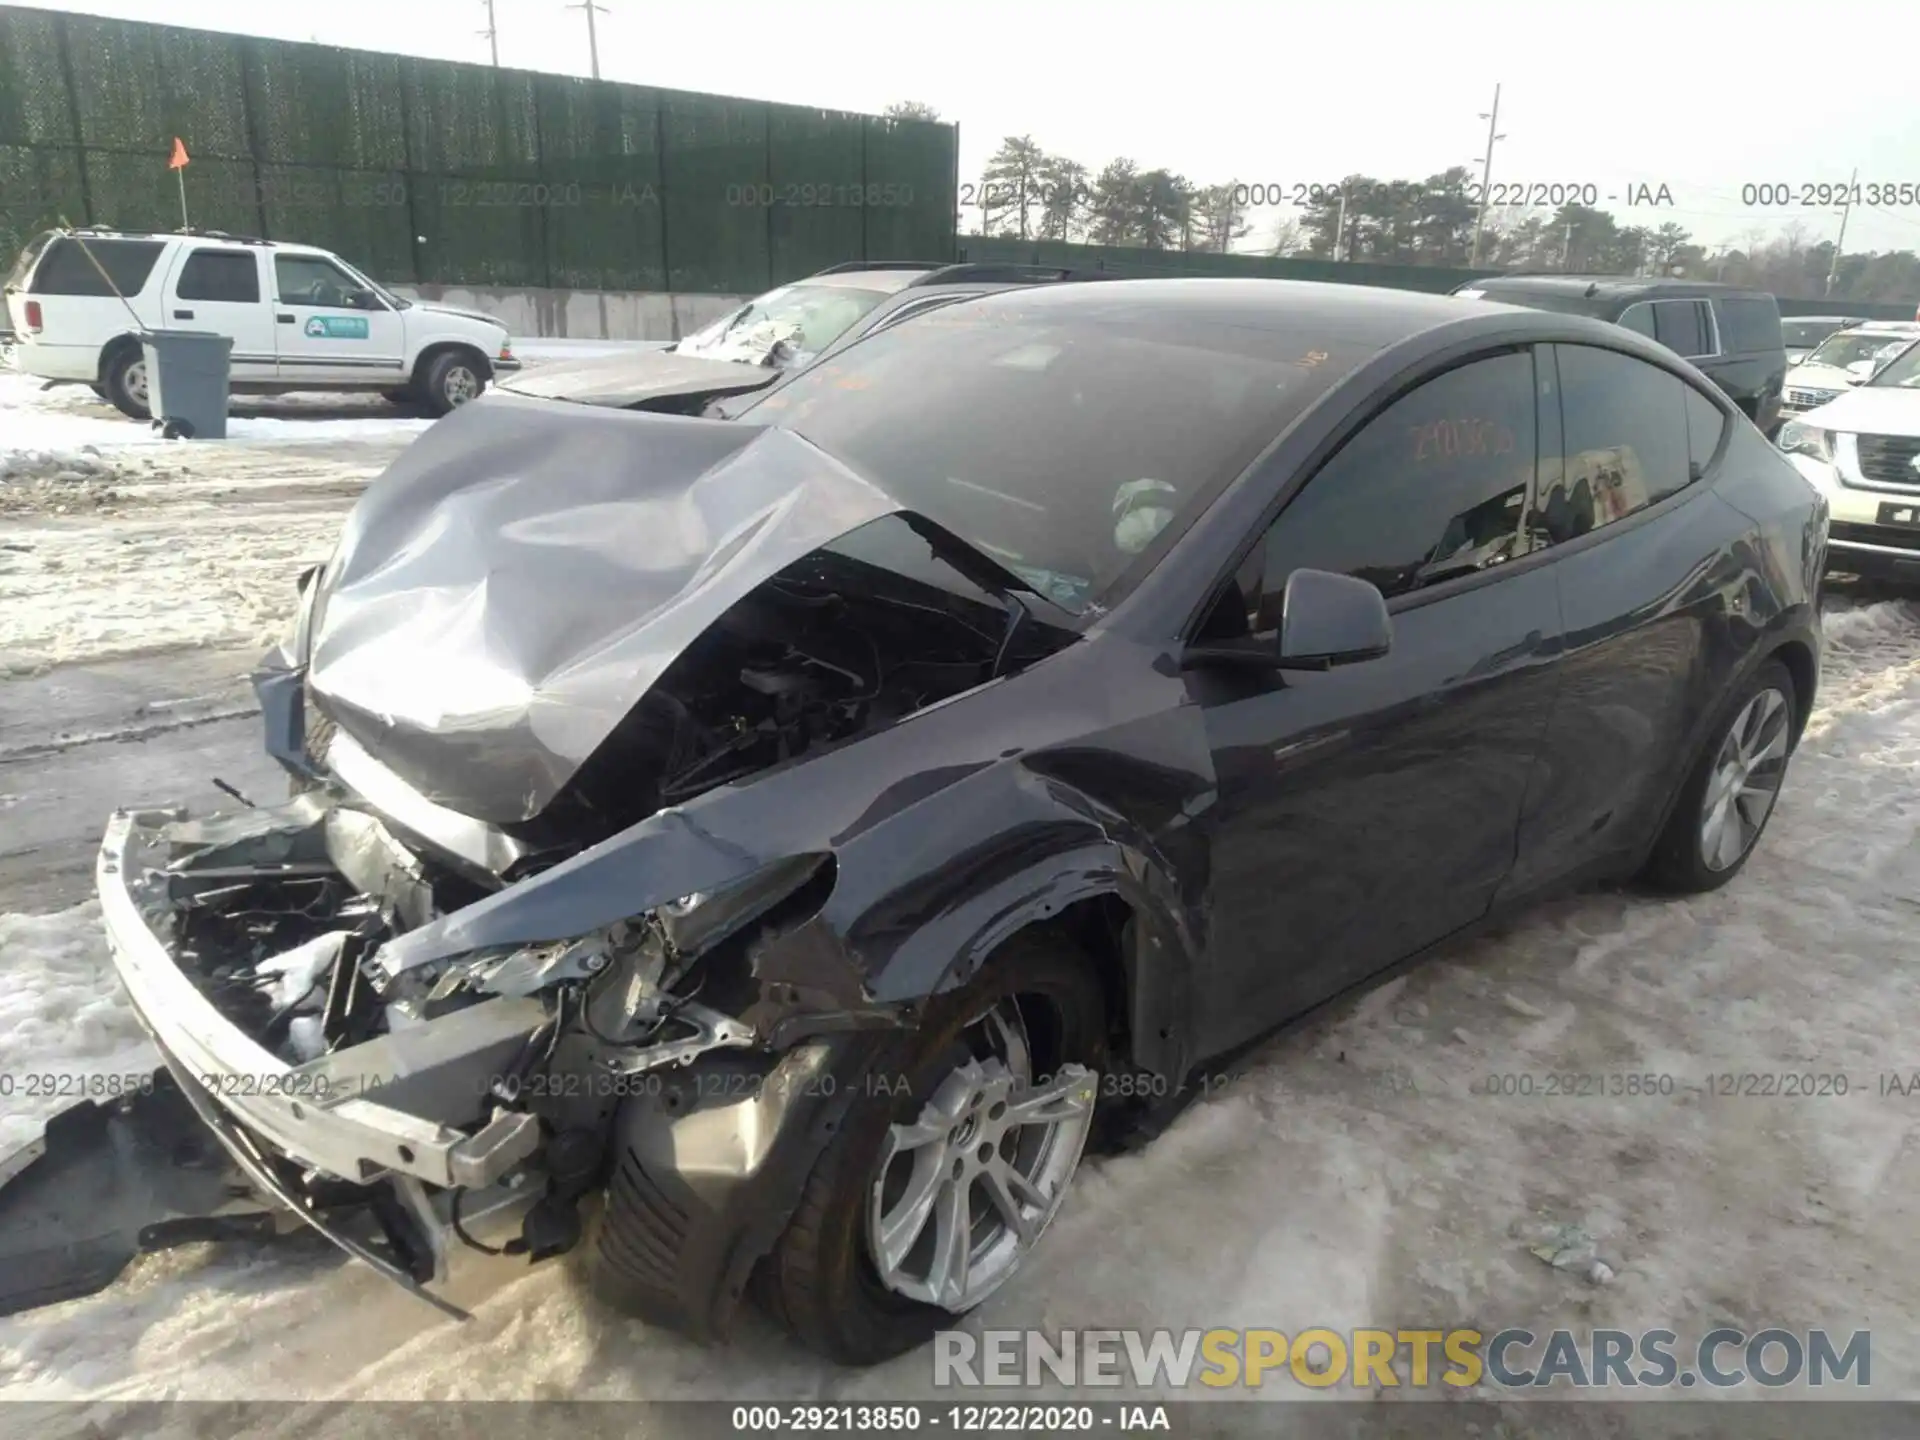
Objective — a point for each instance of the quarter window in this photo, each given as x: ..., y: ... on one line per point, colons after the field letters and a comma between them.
x: 220, y: 275
x: 65, y: 269
x: 1706, y: 423
x: 1683, y: 326
x: 1434, y: 487
x: 1749, y: 324
x: 1639, y: 319
x: 1626, y: 440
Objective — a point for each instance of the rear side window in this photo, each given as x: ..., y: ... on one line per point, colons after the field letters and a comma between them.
x: 1433, y: 487
x: 66, y: 270
x: 1625, y: 443
x: 1682, y: 326
x: 220, y: 275
x: 1749, y: 324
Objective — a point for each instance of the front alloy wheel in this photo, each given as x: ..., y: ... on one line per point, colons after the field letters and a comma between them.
x: 950, y: 1160
x: 963, y: 1191
x: 460, y: 385
x: 1746, y: 780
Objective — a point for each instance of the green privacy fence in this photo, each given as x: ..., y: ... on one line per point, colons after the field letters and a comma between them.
x: 429, y: 171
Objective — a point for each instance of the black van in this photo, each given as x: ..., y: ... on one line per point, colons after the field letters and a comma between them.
x: 1732, y: 334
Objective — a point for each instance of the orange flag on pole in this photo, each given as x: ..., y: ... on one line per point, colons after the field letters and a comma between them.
x: 179, y: 160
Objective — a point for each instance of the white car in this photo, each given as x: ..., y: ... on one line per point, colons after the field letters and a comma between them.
x: 1862, y: 450
x: 1843, y: 360
x: 300, y: 318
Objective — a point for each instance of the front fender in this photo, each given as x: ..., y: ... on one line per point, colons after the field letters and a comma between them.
x: 1015, y: 847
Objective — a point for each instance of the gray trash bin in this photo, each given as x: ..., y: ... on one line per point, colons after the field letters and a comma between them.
x: 188, y: 372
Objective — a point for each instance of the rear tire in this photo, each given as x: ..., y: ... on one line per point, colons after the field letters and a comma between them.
x: 125, y: 383
x: 1730, y: 794
x: 452, y: 378
x: 821, y: 1280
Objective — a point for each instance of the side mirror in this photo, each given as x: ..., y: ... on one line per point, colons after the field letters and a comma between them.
x: 1325, y: 620
x: 1328, y: 620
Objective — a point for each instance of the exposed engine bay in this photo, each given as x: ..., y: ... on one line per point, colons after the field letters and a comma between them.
x: 827, y: 650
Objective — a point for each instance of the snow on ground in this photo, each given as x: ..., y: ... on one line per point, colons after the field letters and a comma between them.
x: 67, y: 417
x: 1355, y: 1173
x: 116, y: 542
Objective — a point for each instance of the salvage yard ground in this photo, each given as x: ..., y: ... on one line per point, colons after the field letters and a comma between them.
x: 1356, y: 1174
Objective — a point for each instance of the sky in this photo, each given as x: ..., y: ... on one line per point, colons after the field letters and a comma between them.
x: 1703, y: 98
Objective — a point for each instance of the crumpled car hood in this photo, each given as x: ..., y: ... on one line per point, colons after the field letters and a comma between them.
x: 511, y: 587
x: 627, y: 380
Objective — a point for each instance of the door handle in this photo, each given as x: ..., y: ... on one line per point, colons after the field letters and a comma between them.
x: 183, y: 314
x: 284, y: 319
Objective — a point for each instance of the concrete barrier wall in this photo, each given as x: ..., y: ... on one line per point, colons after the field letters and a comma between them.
x: 583, y: 314
x: 656, y: 315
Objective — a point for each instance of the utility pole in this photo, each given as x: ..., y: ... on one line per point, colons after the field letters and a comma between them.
x: 1492, y: 117
x: 1845, y: 210
x: 1566, y: 248
x: 593, y: 38
x: 492, y: 34
x: 1340, y: 226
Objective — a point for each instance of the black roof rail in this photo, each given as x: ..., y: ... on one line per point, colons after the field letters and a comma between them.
x: 985, y: 273
x: 195, y: 234
x: 222, y: 235
x: 847, y: 267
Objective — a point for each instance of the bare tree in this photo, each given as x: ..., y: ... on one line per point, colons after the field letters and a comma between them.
x: 1288, y: 238
x: 1220, y: 217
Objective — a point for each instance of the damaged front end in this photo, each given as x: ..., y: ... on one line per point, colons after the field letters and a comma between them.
x: 468, y: 1102
x: 500, y: 951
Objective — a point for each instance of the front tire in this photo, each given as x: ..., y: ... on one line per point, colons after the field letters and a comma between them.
x: 125, y: 383
x: 928, y: 1199
x: 1729, y: 795
x: 452, y: 378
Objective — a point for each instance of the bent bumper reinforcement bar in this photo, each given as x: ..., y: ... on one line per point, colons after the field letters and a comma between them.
x: 353, y: 1138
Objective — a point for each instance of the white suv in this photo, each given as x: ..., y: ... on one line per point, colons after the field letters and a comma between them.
x: 1862, y: 449
x: 300, y: 318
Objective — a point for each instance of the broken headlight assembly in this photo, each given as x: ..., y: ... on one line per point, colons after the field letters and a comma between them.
x: 632, y: 985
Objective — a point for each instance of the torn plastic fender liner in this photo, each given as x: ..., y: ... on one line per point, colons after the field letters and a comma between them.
x: 511, y: 587
x: 106, y: 1183
x: 709, y: 1169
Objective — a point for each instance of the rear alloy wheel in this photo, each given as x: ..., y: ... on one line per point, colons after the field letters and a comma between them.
x: 126, y: 383
x: 1746, y: 781
x: 932, y: 1194
x: 1730, y: 795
